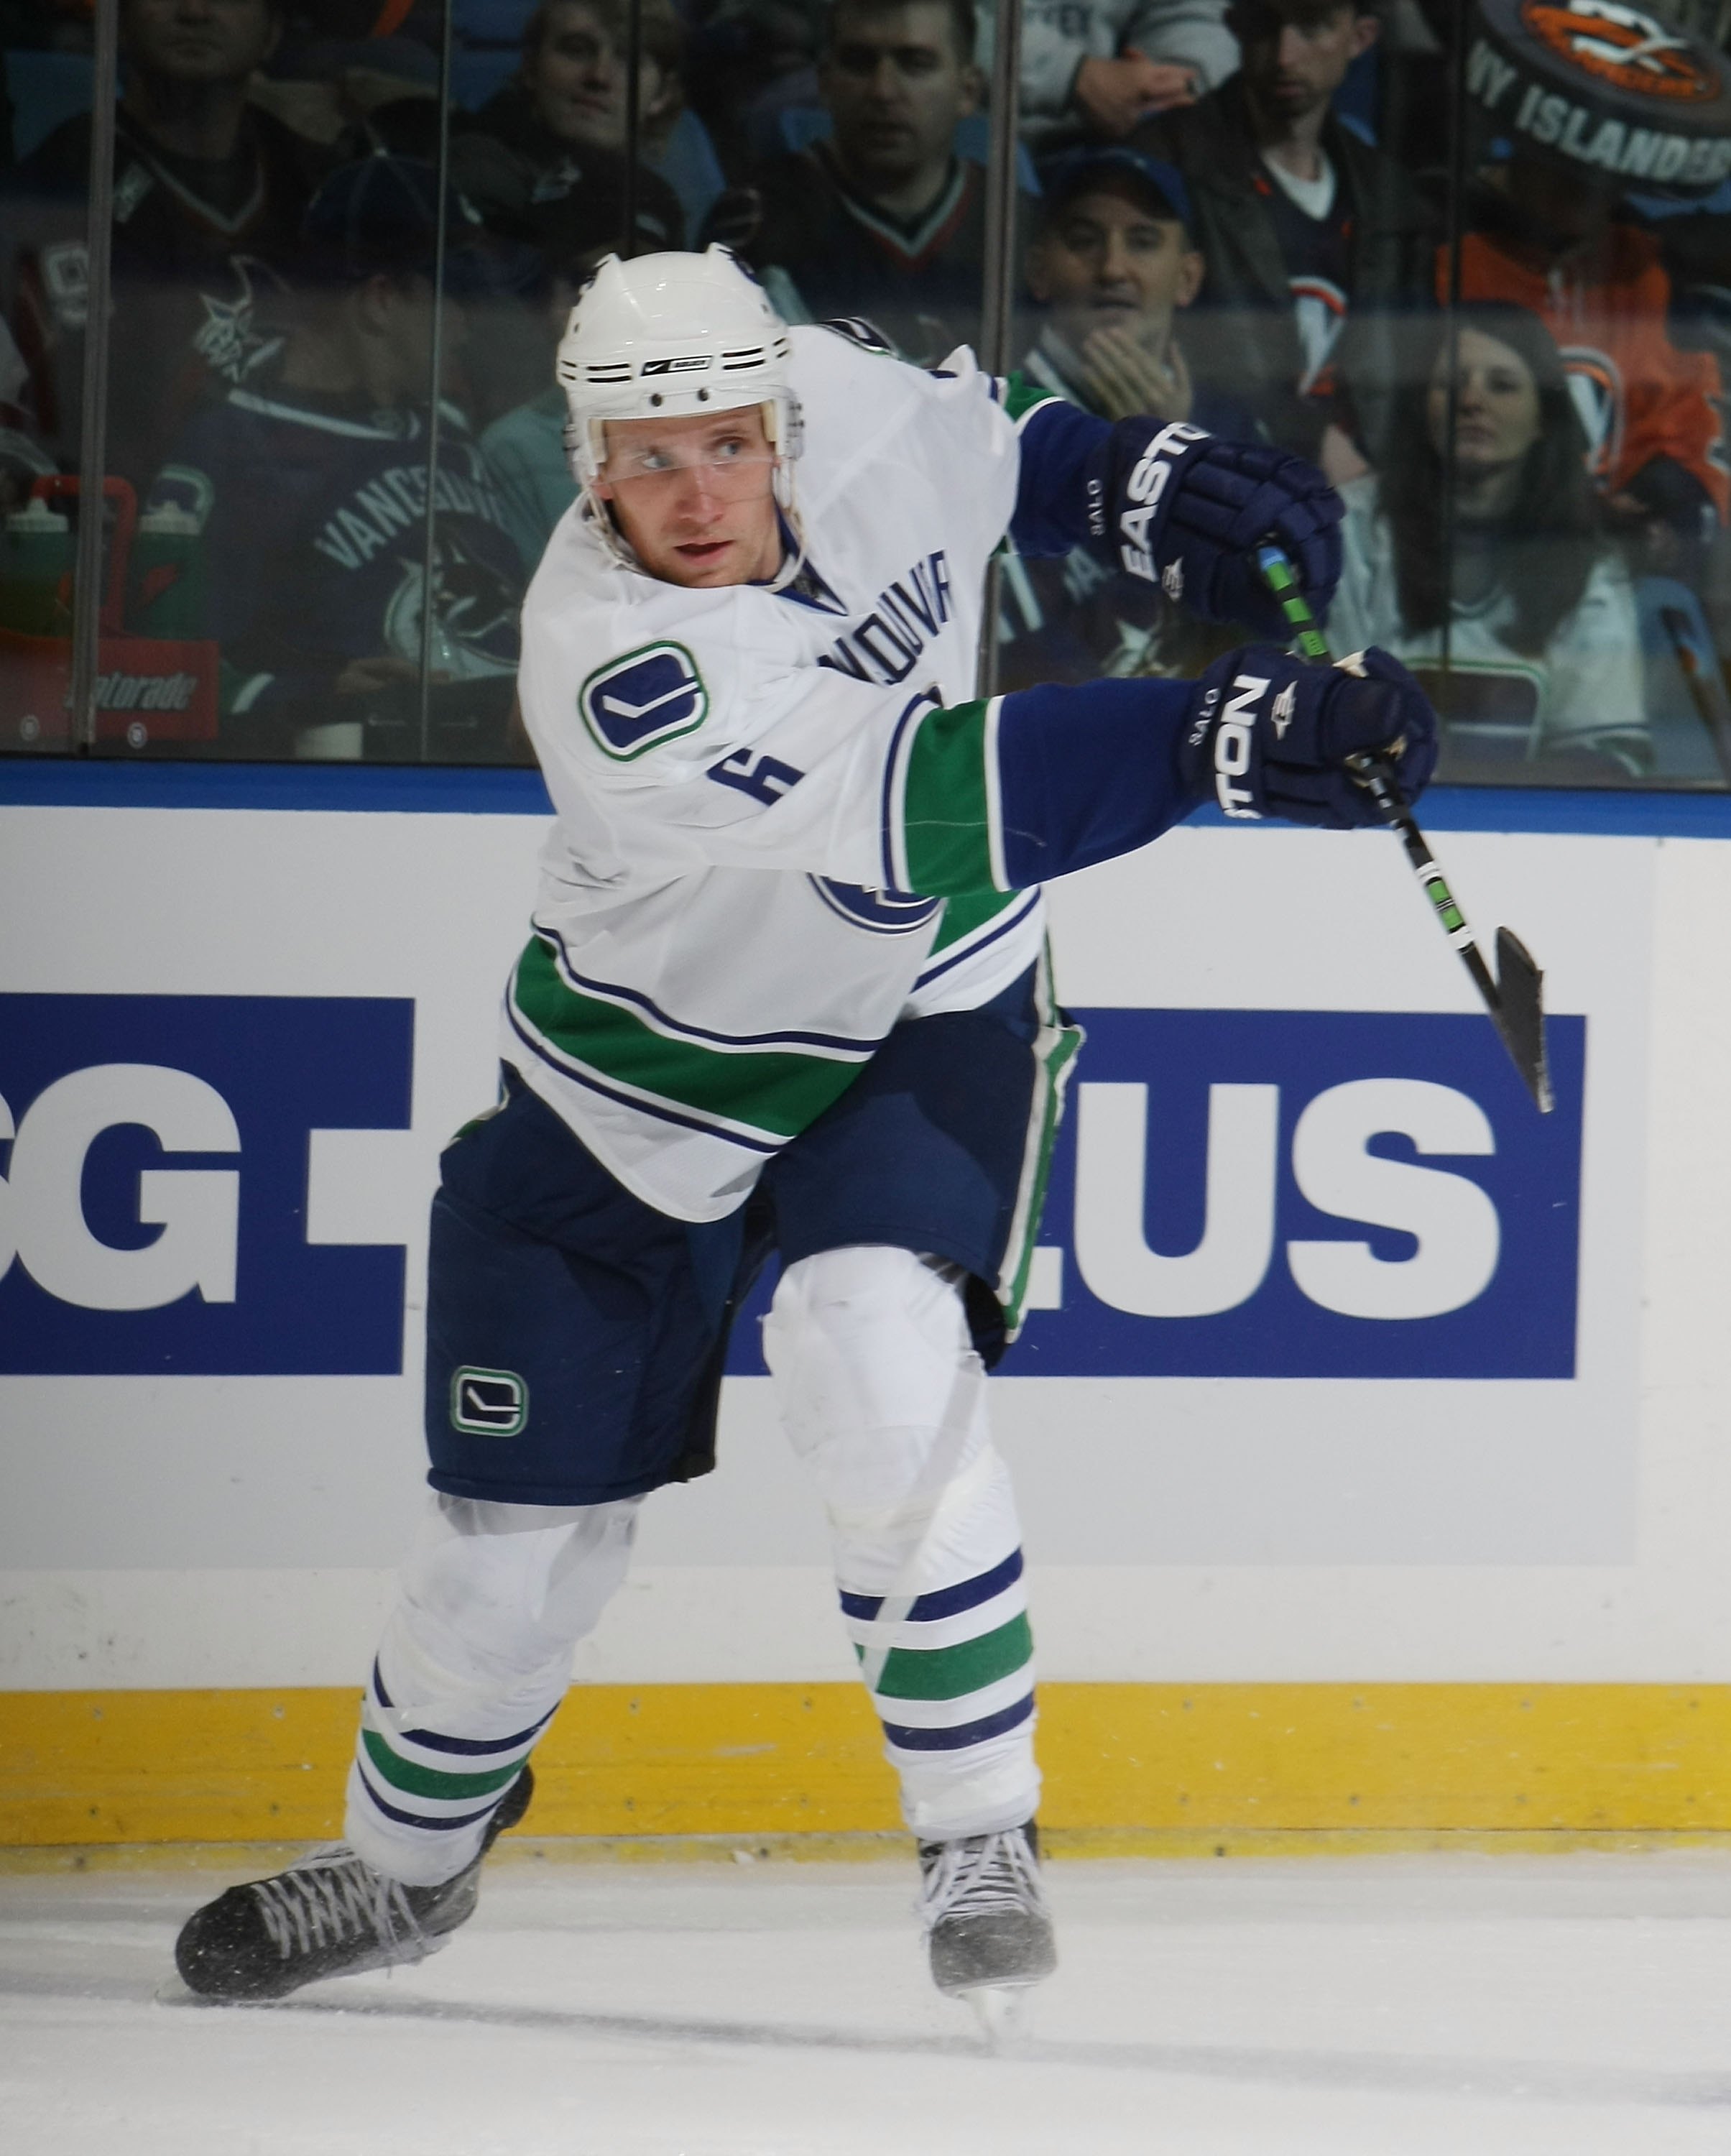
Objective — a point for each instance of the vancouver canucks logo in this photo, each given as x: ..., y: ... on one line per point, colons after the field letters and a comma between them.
x: 488, y: 1403
x: 633, y: 704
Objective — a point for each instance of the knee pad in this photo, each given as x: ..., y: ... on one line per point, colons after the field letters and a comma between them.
x: 879, y: 1384
x: 494, y: 1598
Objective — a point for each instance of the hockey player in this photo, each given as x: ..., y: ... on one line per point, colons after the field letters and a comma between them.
x: 786, y: 987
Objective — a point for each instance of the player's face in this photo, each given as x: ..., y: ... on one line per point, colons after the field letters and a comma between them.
x: 1296, y: 53
x: 895, y: 86
x: 576, y: 79
x: 695, y: 496
x: 1496, y: 412
x: 198, y: 41
x: 1107, y: 259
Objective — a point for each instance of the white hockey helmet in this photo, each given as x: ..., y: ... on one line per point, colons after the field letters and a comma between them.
x: 671, y: 335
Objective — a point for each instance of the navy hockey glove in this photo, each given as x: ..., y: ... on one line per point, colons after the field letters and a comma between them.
x: 1269, y: 734
x: 1188, y: 510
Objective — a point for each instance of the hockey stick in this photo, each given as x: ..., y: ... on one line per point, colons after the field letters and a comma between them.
x: 1514, y: 994
x: 1705, y: 692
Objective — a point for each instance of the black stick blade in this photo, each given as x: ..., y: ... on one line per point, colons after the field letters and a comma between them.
x: 1520, y: 1016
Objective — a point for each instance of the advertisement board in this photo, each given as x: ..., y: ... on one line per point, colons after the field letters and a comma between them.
x: 1317, y: 1287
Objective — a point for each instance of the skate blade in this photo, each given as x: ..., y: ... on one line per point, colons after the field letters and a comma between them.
x: 1001, y: 2011
x: 172, y: 1992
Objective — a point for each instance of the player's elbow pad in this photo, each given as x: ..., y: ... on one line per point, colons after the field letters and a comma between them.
x: 1087, y: 773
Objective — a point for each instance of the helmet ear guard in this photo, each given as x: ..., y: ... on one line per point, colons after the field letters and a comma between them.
x: 673, y: 336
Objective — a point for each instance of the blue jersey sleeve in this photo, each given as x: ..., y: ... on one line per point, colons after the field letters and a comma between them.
x: 1055, y: 508
x: 1036, y: 784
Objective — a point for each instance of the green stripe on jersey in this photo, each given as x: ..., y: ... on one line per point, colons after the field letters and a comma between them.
x: 953, y: 1672
x: 1021, y: 396
x: 973, y: 909
x: 776, y: 1091
x: 947, y: 807
x: 418, y: 1781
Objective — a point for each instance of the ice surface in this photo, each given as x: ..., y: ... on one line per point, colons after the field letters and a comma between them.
x: 1445, y: 2006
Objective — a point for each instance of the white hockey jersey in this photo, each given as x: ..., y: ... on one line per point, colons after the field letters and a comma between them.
x: 724, y: 932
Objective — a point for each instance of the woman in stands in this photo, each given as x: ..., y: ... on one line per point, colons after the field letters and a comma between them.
x: 1514, y: 610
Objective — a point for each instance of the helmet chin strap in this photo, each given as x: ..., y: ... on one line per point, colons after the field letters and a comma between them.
x: 793, y: 557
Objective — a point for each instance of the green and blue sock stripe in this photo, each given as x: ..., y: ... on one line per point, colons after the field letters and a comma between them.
x: 413, y: 1776
x: 947, y: 1697
x: 947, y: 1684
x: 907, y: 1737
x: 948, y: 1617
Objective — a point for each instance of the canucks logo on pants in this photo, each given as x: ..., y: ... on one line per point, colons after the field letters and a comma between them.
x: 488, y: 1403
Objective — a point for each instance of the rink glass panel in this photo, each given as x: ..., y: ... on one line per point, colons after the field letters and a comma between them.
x: 308, y: 553
x: 44, y: 291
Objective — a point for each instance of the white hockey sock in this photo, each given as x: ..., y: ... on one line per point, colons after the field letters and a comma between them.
x: 883, y: 1395
x: 474, y: 1661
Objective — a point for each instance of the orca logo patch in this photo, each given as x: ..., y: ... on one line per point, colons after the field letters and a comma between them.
x: 884, y: 912
x: 633, y: 704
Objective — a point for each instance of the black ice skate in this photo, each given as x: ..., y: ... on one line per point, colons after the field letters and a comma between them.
x: 986, y: 1922
x: 328, y: 1915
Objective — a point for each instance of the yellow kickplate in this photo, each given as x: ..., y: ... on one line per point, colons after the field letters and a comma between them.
x: 1129, y: 1768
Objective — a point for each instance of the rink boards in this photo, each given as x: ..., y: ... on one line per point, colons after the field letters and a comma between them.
x: 1368, y: 1429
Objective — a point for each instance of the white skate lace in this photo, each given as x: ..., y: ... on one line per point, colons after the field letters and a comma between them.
x: 332, y: 1897
x: 983, y: 1872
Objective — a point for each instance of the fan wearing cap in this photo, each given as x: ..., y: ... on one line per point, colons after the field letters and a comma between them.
x: 786, y: 990
x: 1111, y: 265
x: 317, y: 469
x: 1111, y: 262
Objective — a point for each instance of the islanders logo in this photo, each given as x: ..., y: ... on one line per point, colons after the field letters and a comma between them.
x: 1625, y: 47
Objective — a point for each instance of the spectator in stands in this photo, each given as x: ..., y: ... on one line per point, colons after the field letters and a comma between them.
x: 1508, y: 602
x: 1306, y: 230
x: 1110, y: 263
x: 316, y: 572
x: 208, y: 195
x: 750, y: 62
x: 1094, y: 69
x: 559, y: 126
x: 1548, y: 232
x: 881, y: 219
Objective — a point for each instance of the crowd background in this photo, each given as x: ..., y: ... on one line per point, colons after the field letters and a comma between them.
x: 1472, y: 256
